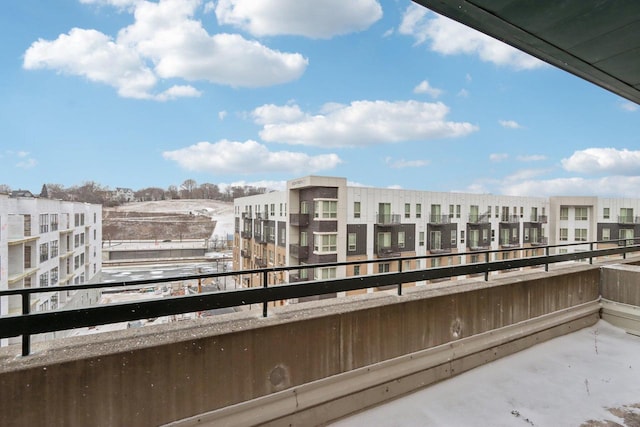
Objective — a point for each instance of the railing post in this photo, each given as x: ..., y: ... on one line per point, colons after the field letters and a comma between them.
x: 265, y: 284
x: 486, y: 260
x: 400, y: 271
x: 546, y: 254
x: 26, y: 338
x: 591, y: 250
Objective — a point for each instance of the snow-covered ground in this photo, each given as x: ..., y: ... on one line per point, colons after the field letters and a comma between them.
x: 583, y: 379
x: 221, y: 212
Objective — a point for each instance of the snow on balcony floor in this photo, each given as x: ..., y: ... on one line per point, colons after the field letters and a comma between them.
x: 588, y: 378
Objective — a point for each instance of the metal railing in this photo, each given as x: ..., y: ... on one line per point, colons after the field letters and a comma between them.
x: 28, y: 324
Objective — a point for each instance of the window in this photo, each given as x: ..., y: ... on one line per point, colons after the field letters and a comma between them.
x: 76, y: 240
x: 53, y: 246
x: 44, y: 252
x: 54, y: 275
x: 384, y: 239
x: 326, y: 209
x: 407, y: 210
x: 273, y: 209
x: 303, y: 238
x: 280, y: 209
x: 356, y: 270
x: 351, y: 242
x: 581, y: 214
x: 564, y: 213
x: 606, y: 234
x: 418, y: 210
x: 54, y: 222
x: 606, y: 213
x: 564, y: 234
x: 626, y: 215
x: 580, y: 234
x: 304, y: 207
x: 497, y: 211
x: 401, y: 239
x: 435, y: 240
x: 453, y: 237
x: 44, y: 279
x: 325, y: 273
x: 44, y: 223
x: 450, y: 211
x: 356, y: 209
x: 474, y: 213
x: 435, y: 262
x: 76, y: 262
x: 421, y: 238
x: 493, y: 235
x: 457, y: 211
x: 626, y: 234
x: 325, y: 242
x: 522, y: 212
x: 383, y: 267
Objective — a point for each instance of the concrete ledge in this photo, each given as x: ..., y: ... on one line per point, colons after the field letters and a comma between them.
x: 328, y: 399
x: 622, y: 315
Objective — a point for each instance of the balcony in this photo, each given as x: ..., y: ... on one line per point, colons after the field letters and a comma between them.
x: 388, y: 253
x: 540, y: 241
x: 261, y: 262
x: 245, y: 253
x: 479, y: 219
x: 628, y: 219
x: 299, y: 220
x: 439, y: 219
x: 260, y: 238
x: 508, y: 244
x: 260, y: 216
x: 540, y: 219
x: 478, y: 246
x: 437, y: 248
x: 298, y: 251
x: 510, y: 219
x: 246, y: 234
x: 388, y: 219
x: 246, y: 215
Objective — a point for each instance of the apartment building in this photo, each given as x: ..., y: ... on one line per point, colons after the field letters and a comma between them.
x: 322, y: 219
x: 47, y: 243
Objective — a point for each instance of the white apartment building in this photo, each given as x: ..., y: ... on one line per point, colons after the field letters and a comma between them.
x: 48, y: 243
x: 322, y: 219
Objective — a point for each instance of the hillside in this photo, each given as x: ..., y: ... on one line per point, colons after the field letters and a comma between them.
x: 168, y: 220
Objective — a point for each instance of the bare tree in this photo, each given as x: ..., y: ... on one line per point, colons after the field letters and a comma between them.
x: 187, y: 188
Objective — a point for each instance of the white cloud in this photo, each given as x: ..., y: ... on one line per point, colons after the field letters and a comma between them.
x: 309, y: 18
x: 402, y: 163
x: 121, y: 4
x: 532, y: 158
x: 209, y: 7
x: 362, y: 123
x: 449, y: 37
x: 222, y: 115
x: 604, y: 160
x: 247, y: 157
x: 498, y: 157
x: 509, y: 124
x: 269, y: 185
x: 463, y: 93
x: 525, y: 174
x: 164, y: 42
x: 611, y: 186
x: 425, y: 87
x: 629, y: 106
x: 27, y: 163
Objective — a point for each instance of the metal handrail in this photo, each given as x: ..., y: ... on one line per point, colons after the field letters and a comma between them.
x: 28, y: 323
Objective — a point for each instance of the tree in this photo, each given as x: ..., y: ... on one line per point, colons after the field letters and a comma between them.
x: 210, y: 191
x: 4, y: 188
x: 172, y: 192
x: 187, y: 188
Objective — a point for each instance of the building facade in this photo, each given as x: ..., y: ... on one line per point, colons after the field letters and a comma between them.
x: 322, y: 219
x: 47, y: 243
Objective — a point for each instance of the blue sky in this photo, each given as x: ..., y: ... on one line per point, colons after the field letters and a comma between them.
x: 133, y: 93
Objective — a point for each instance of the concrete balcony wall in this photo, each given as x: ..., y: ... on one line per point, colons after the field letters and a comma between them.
x: 238, y: 365
x: 621, y: 296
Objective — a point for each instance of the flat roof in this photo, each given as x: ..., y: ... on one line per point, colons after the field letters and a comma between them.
x: 598, y: 41
x: 588, y: 378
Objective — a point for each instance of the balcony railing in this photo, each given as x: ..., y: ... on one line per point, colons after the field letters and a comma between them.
x: 246, y: 234
x: 540, y: 241
x: 261, y: 262
x: 299, y: 220
x: 439, y: 219
x: 297, y: 251
x: 245, y: 253
x: 260, y: 237
x: 28, y: 324
x: 479, y: 219
x: 510, y: 243
x: 388, y: 219
x: 628, y: 219
x: 388, y: 252
x: 246, y: 215
x: 511, y: 219
x: 478, y: 246
x: 542, y: 219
